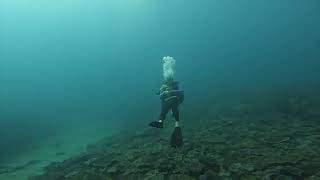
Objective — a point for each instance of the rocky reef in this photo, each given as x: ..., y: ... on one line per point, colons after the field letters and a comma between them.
x: 244, y: 146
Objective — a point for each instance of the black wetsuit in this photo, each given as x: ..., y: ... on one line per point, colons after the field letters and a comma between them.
x: 171, y: 101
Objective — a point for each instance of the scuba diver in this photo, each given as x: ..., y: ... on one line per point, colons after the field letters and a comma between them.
x: 171, y: 97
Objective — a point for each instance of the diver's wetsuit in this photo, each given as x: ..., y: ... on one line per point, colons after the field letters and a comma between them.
x: 171, y: 97
x: 171, y: 101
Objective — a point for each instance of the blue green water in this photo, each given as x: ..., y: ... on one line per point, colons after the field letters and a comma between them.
x: 73, y: 63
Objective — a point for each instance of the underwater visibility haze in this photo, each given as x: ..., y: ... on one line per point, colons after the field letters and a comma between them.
x: 73, y: 72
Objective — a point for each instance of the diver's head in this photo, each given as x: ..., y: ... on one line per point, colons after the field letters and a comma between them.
x: 169, y: 81
x: 172, y: 83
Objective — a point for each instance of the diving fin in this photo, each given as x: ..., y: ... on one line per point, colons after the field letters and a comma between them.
x: 156, y: 124
x: 176, y: 138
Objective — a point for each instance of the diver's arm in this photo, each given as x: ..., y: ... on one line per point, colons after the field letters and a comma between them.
x: 161, y: 90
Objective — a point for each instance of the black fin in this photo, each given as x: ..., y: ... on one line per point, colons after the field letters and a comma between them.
x: 176, y: 138
x: 156, y: 124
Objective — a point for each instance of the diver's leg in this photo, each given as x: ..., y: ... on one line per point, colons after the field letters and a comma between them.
x: 162, y: 116
x: 176, y: 137
x: 175, y: 111
x: 164, y: 112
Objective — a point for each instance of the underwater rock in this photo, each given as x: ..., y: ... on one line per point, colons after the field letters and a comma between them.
x: 165, y: 165
x: 285, y: 172
x: 210, y: 175
x: 216, y: 140
x: 275, y: 140
x: 155, y: 177
x: 203, y: 177
x: 210, y: 162
x: 292, y: 171
x: 195, y: 168
x: 73, y: 173
x: 113, y: 171
x: 89, y: 161
x: 179, y: 177
x: 315, y: 176
x: 282, y: 177
x: 139, y: 166
x: 264, y: 147
x: 239, y: 169
x: 310, y: 168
